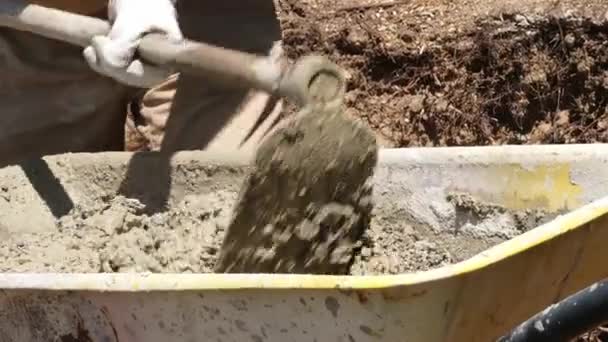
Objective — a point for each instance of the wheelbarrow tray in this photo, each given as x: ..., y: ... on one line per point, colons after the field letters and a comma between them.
x: 478, y: 299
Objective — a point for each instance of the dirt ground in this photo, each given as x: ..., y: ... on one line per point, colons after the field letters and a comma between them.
x: 441, y: 73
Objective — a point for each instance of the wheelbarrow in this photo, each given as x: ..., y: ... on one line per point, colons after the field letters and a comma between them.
x: 480, y: 298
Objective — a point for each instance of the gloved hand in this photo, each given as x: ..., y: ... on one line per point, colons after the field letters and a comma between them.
x: 112, y: 55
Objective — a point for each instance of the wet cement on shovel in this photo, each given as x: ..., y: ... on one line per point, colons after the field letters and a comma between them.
x: 308, y: 201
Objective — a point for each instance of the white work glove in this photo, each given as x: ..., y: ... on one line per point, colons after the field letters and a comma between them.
x: 112, y: 55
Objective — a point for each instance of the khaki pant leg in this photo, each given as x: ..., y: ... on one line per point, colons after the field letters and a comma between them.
x: 148, y: 119
x: 186, y: 113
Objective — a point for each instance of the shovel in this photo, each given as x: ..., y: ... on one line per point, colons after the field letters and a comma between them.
x: 308, y: 199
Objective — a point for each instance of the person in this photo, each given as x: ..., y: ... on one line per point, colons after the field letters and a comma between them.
x: 59, y: 98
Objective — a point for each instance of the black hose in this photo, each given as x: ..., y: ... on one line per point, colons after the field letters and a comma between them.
x: 564, y: 321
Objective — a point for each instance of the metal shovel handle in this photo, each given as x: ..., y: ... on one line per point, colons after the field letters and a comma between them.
x: 217, y: 65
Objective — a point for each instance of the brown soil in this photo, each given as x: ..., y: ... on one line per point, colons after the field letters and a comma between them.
x: 437, y: 73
